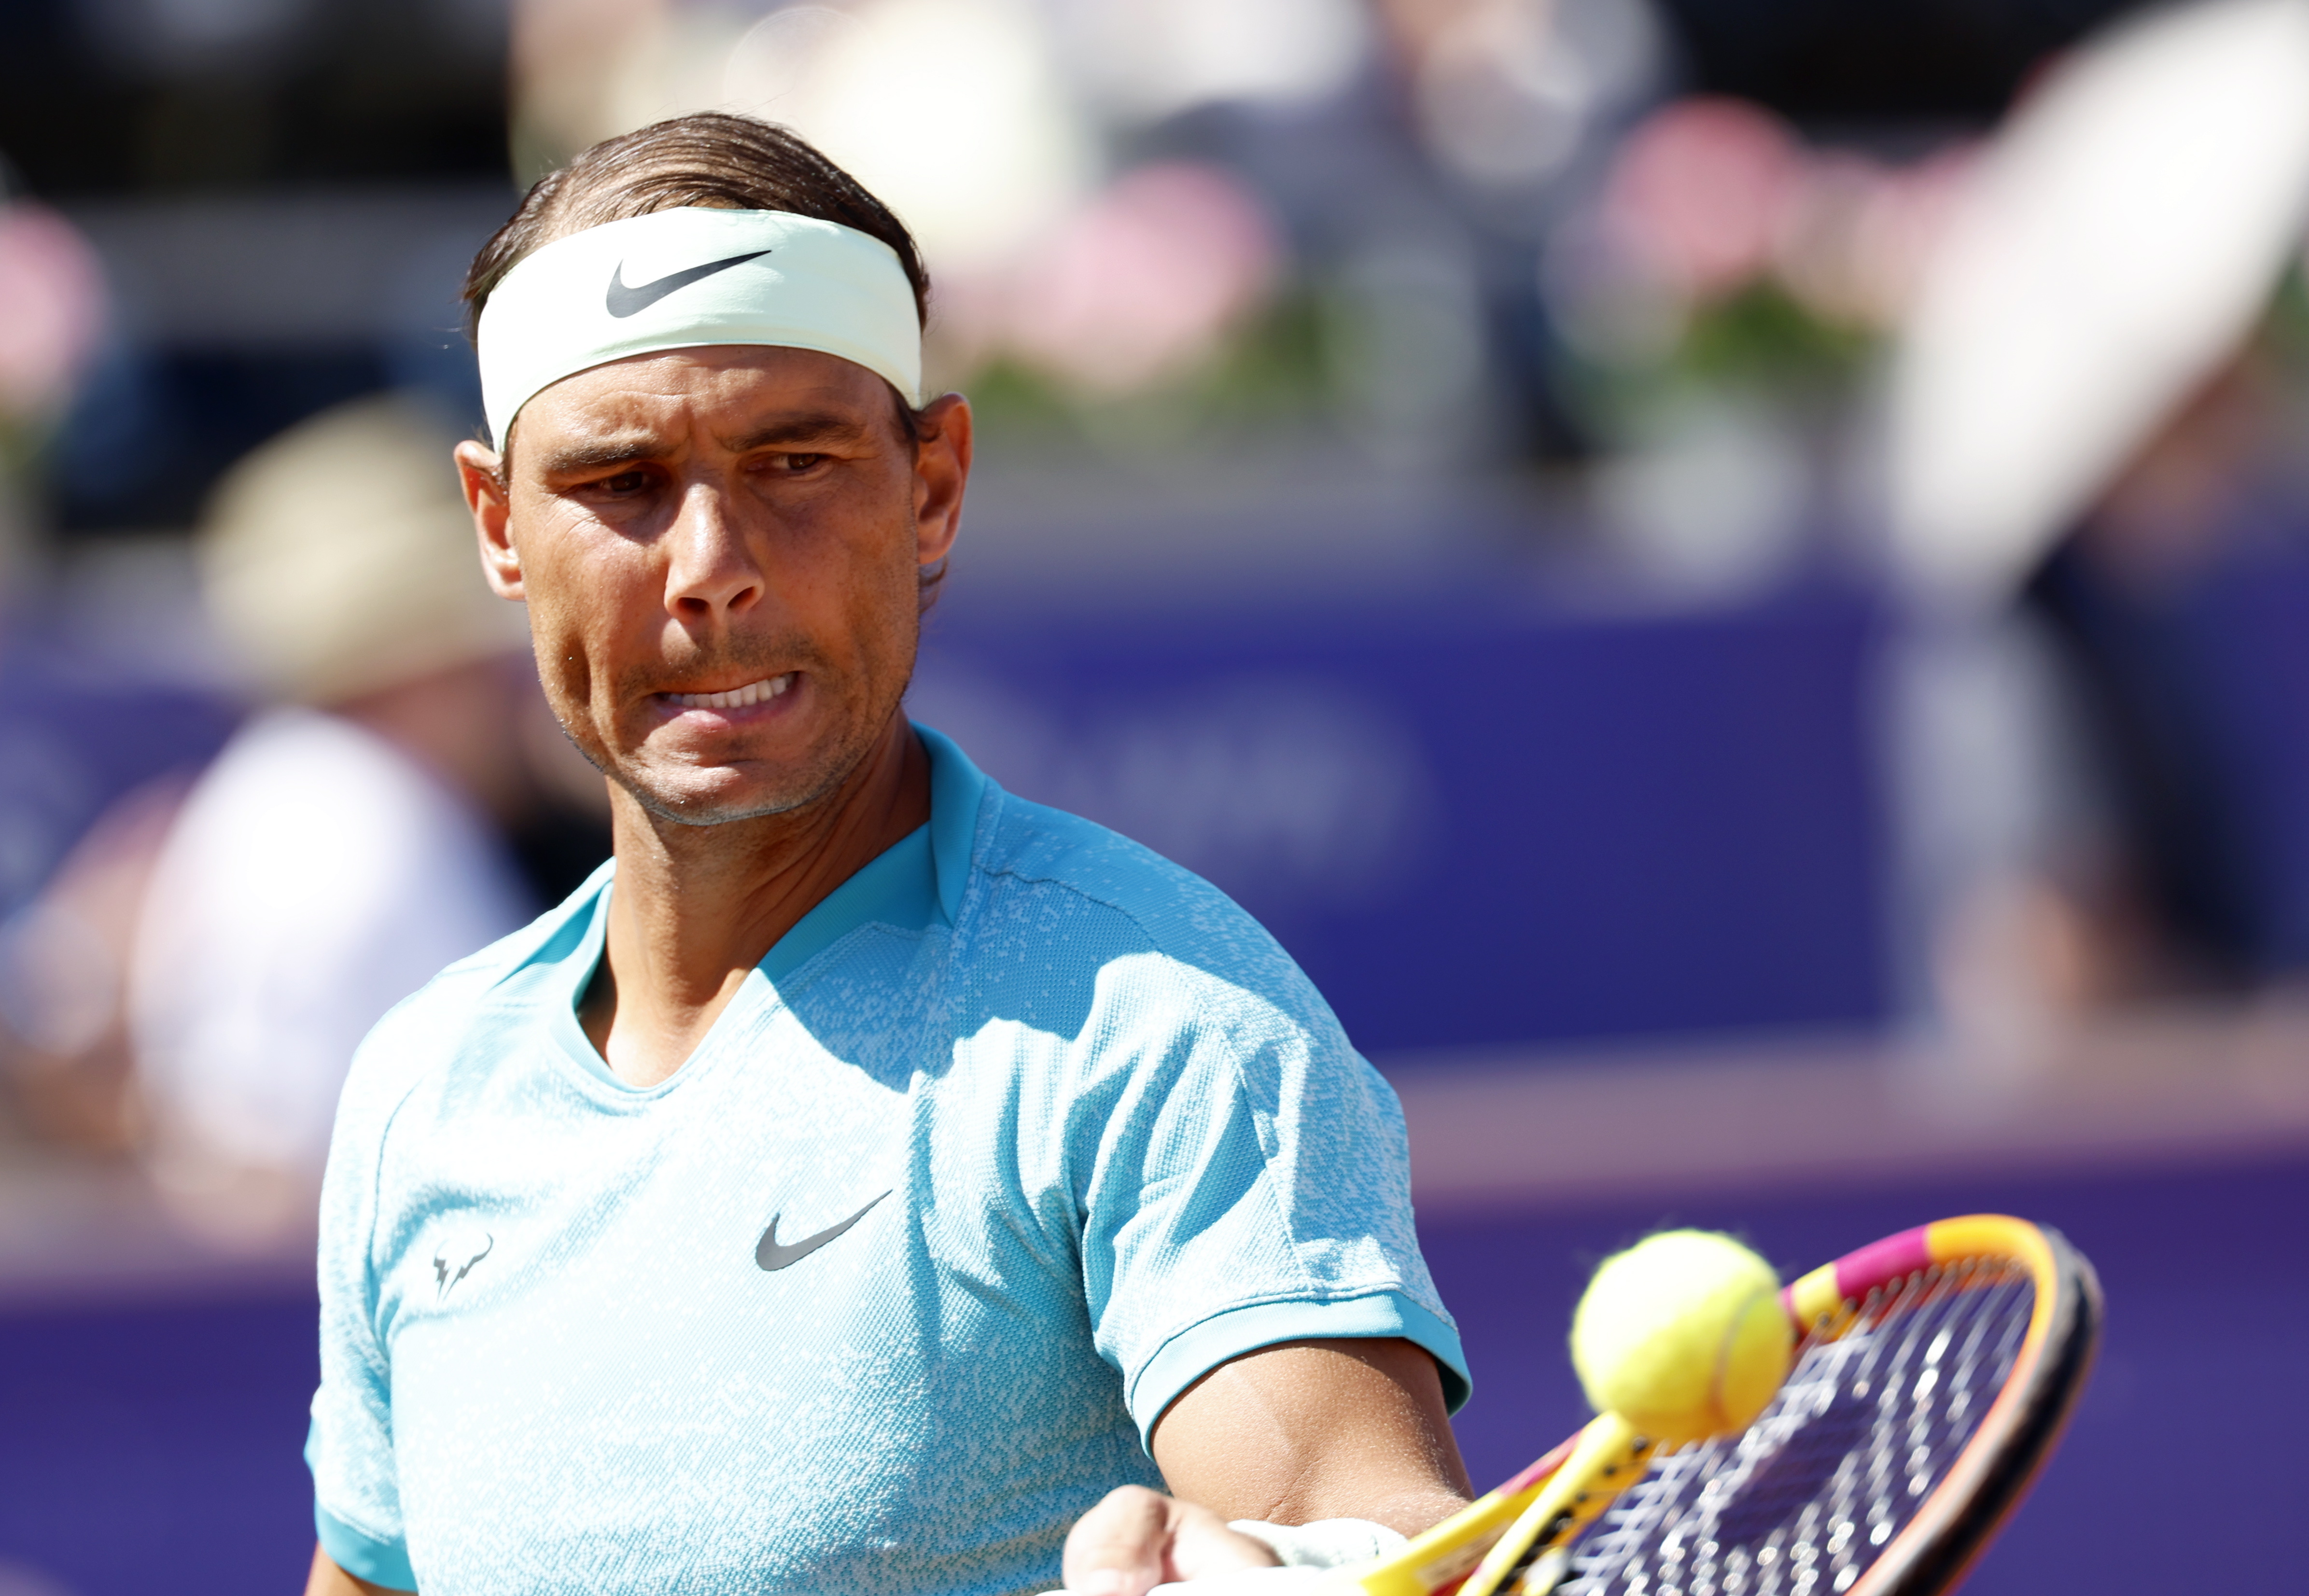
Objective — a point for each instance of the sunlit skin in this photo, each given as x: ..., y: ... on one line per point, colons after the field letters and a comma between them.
x: 707, y: 520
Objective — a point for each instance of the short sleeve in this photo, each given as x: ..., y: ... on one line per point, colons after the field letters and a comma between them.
x: 1244, y: 1179
x: 349, y: 1448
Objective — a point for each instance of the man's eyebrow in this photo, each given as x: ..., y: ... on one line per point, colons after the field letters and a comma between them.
x: 821, y: 427
x: 601, y: 452
x: 817, y: 426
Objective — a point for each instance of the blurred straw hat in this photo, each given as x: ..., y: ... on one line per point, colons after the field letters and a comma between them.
x: 338, y: 559
x: 2123, y: 235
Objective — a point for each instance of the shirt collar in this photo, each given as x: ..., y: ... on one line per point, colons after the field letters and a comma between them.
x: 957, y: 791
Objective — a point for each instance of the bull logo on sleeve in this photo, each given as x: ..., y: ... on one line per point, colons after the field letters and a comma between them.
x: 454, y: 1257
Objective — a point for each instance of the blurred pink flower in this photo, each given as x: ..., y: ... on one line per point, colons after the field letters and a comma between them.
x: 1145, y: 280
x: 1697, y: 193
x: 54, y: 288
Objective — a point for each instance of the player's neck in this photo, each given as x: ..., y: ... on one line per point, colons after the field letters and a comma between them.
x: 696, y: 907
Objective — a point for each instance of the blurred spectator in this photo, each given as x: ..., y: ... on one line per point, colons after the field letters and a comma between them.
x: 2168, y: 892
x: 2078, y: 433
x: 212, y: 953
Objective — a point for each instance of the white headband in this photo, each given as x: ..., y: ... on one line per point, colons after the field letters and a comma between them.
x: 676, y: 279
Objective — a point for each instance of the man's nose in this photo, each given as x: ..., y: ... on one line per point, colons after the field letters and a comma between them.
x: 712, y: 569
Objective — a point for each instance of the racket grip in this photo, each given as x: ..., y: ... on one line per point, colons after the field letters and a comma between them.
x: 1474, y: 1551
x: 1438, y: 1559
x: 1587, y: 1481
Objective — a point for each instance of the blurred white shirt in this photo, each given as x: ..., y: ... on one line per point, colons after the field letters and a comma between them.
x: 315, y: 876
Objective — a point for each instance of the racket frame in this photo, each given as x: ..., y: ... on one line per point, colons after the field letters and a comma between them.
x: 1580, y: 1478
x: 1957, y: 1520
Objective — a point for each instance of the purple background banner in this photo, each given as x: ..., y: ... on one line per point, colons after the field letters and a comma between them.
x: 1481, y: 818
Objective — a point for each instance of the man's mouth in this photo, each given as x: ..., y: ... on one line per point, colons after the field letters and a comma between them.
x: 736, y: 698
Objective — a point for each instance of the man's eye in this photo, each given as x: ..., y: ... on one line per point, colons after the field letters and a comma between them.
x: 624, y: 482
x: 793, y: 465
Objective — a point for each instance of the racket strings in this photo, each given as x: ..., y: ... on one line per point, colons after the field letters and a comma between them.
x: 1881, y: 1404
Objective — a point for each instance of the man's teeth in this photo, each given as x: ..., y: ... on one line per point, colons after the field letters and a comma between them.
x: 736, y: 698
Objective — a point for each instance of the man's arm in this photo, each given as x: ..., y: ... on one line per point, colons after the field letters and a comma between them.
x: 1289, y: 1434
x: 329, y: 1580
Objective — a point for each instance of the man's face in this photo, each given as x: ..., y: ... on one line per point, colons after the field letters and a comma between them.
x: 720, y: 551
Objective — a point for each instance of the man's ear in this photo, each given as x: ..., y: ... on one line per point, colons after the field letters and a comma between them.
x: 941, y: 471
x: 486, y: 497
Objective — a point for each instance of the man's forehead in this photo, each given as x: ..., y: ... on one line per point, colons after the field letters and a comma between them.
x: 737, y: 394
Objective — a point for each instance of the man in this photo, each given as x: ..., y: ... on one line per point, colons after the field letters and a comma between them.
x: 869, y: 1172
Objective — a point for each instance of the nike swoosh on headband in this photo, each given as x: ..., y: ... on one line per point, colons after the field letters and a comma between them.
x: 624, y: 300
x: 769, y: 1255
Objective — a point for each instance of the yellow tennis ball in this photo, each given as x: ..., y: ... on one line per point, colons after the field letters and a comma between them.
x: 1682, y: 1335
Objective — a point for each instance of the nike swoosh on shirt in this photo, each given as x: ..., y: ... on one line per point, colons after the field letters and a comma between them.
x: 624, y: 300
x: 770, y: 1254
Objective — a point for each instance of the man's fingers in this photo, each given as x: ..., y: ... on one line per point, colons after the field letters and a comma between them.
x: 1201, y: 1545
x: 1117, y: 1549
x: 1136, y: 1539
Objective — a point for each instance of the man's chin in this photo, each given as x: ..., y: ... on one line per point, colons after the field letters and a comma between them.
x: 691, y: 807
x: 720, y: 795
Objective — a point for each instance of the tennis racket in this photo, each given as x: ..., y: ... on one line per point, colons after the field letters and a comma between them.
x: 1934, y: 1370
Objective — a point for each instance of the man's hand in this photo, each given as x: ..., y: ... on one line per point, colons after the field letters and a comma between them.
x: 1289, y: 1435
x: 1136, y: 1538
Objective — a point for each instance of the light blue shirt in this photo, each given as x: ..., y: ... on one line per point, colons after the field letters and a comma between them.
x: 1015, y: 1135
